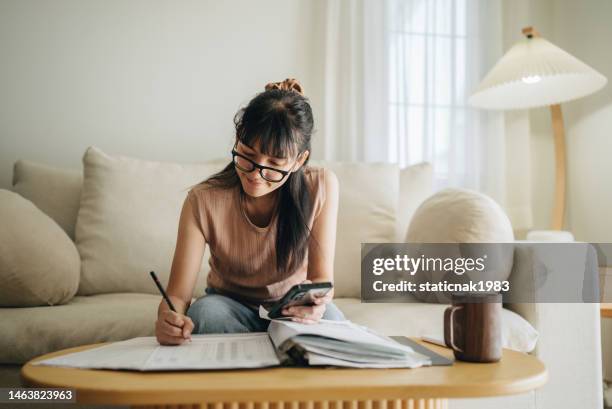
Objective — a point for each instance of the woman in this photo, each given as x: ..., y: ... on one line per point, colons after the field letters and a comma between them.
x: 270, y: 222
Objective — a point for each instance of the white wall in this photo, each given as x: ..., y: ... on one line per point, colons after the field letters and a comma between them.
x: 159, y: 80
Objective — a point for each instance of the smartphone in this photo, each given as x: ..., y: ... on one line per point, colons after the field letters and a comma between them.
x: 299, y: 294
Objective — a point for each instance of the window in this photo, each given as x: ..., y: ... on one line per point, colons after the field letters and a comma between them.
x: 428, y: 117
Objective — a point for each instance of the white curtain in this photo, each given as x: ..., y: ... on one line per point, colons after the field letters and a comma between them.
x: 342, y: 57
x: 439, y: 51
x: 397, y: 77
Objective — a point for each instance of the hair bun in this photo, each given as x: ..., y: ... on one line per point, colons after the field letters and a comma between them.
x: 290, y: 84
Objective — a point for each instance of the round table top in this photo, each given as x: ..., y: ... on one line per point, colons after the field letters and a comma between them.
x: 516, y: 373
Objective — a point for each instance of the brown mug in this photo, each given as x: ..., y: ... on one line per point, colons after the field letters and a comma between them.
x: 472, y: 327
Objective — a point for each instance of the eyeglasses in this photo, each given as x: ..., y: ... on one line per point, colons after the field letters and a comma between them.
x: 267, y: 173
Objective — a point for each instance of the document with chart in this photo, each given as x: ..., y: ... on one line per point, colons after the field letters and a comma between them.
x: 287, y: 343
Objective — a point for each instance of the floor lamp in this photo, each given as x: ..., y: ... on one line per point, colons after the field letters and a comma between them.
x: 536, y: 73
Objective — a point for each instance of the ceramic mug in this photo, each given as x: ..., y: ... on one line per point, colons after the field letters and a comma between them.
x: 472, y: 327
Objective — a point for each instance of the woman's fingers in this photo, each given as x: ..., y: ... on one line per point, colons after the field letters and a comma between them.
x: 306, y: 312
x: 299, y: 311
x: 165, y: 333
x: 188, y: 328
x: 174, y: 318
x: 304, y: 320
x: 171, y: 330
x: 166, y: 340
x: 174, y: 328
x: 323, y: 300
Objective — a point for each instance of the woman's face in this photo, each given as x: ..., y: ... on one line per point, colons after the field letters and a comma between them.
x: 252, y: 182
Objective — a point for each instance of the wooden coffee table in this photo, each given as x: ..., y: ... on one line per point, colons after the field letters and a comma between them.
x: 293, y: 388
x: 606, y: 310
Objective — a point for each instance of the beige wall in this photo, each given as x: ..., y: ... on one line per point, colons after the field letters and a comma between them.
x: 152, y: 79
x: 586, y: 32
x: 583, y: 29
x: 162, y: 80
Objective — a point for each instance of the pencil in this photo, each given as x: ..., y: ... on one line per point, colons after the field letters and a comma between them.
x: 161, y: 290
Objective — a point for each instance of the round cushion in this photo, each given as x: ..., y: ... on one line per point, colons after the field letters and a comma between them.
x: 462, y: 216
x: 39, y: 264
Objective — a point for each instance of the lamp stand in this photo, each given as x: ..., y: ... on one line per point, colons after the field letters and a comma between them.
x: 559, y: 133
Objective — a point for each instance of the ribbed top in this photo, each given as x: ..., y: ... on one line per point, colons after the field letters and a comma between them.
x: 243, y: 255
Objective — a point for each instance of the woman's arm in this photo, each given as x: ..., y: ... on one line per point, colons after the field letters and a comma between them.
x: 174, y: 328
x: 321, y: 251
x: 187, y: 261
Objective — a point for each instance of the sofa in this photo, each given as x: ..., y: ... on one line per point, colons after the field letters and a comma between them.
x: 79, y: 243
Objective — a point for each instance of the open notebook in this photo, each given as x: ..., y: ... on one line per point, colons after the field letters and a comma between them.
x: 287, y: 343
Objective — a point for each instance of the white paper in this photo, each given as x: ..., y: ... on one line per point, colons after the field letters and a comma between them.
x: 251, y: 350
x: 263, y: 313
x: 217, y: 351
x: 344, y: 343
x: 129, y: 354
x: 340, y: 330
x: 211, y: 351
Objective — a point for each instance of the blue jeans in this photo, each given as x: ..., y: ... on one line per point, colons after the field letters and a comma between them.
x: 215, y: 313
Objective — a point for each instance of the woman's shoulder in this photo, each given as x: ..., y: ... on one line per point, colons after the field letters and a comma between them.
x: 205, y: 193
x: 322, y: 181
x: 318, y: 172
x: 319, y: 176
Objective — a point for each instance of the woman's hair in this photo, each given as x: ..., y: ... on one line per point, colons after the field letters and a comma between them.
x: 280, y: 119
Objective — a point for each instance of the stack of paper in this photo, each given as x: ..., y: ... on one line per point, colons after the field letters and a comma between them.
x: 337, y: 343
x: 342, y: 343
x: 213, y: 351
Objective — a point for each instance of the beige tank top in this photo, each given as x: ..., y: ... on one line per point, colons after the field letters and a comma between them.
x: 243, y: 255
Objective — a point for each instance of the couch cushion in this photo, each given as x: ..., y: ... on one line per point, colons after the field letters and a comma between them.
x: 39, y: 264
x: 416, y: 185
x: 366, y: 214
x: 418, y: 319
x: 55, y: 191
x: 29, y: 332
x: 128, y: 221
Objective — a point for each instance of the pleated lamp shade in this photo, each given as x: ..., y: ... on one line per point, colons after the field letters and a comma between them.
x: 534, y: 73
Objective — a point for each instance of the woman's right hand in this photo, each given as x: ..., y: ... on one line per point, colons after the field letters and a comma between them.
x: 173, y: 328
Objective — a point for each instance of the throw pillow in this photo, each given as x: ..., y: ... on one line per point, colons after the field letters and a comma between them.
x: 128, y: 221
x: 366, y: 214
x: 39, y: 264
x: 55, y: 191
x: 461, y: 216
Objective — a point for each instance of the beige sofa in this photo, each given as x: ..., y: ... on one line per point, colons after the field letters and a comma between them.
x: 117, y: 220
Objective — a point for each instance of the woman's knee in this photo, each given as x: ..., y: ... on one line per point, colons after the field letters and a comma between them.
x: 213, y: 314
x: 333, y: 313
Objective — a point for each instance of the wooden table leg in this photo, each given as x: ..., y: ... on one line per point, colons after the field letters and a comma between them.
x: 433, y: 403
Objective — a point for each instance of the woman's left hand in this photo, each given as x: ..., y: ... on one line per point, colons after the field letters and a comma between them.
x: 309, y: 314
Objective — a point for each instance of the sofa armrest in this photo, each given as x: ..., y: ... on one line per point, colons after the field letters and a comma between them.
x: 569, y: 344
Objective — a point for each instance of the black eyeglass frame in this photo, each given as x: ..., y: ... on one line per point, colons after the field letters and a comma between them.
x: 258, y: 166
